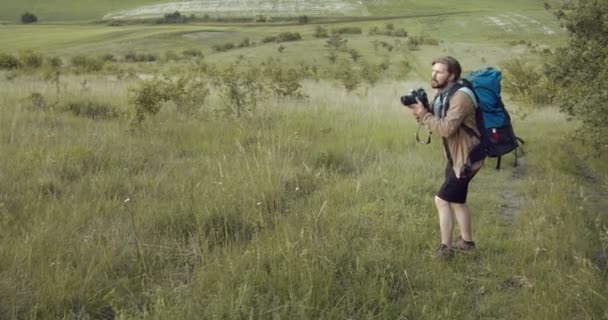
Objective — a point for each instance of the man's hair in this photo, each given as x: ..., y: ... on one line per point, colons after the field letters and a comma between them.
x: 452, y: 64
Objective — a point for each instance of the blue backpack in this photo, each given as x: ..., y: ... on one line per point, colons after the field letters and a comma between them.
x: 493, y: 121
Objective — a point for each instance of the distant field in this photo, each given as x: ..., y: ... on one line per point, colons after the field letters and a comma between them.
x: 67, y: 10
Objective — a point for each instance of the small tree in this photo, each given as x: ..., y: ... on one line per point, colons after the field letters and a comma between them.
x: 336, y: 42
x: 240, y: 88
x: 320, y: 32
x: 348, y: 76
x: 28, y: 17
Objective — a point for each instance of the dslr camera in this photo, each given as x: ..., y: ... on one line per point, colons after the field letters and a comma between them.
x: 411, y: 99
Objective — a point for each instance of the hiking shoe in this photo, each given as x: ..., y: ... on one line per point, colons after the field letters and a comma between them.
x: 443, y: 251
x: 462, y: 245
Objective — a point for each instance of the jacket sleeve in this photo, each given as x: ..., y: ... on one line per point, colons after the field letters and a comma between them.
x: 460, y: 107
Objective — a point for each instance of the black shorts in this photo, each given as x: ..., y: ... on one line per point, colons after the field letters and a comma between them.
x: 454, y: 189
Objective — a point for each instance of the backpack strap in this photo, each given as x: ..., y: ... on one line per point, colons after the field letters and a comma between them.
x: 459, y: 87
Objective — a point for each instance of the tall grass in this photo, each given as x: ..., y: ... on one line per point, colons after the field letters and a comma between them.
x: 310, y: 209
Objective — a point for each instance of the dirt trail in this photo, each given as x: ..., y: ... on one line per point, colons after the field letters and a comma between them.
x: 513, y: 201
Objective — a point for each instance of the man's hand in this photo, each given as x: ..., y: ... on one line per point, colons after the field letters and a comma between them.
x: 418, y: 110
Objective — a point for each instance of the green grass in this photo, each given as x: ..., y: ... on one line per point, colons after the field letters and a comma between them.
x: 65, y: 10
x: 317, y: 208
x: 313, y: 209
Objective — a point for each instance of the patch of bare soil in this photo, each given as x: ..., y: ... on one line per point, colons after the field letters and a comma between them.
x: 513, y: 201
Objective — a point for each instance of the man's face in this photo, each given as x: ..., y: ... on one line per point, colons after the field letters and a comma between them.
x: 441, y: 78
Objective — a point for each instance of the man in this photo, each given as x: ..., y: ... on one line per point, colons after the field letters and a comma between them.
x: 454, y: 125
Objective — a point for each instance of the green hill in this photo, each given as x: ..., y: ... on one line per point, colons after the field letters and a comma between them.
x: 67, y: 10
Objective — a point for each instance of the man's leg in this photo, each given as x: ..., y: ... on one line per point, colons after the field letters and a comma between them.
x: 463, y: 218
x: 446, y: 220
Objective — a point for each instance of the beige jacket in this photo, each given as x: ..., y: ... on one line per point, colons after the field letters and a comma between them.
x: 460, y: 143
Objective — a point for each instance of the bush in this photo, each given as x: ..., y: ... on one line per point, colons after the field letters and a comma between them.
x: 336, y: 42
x: 28, y: 17
x: 148, y: 97
x: 192, y: 53
x: 139, y: 57
x: 579, y: 71
x: 347, y: 30
x: 37, y: 102
x: 55, y: 62
x: 346, y: 74
x: 83, y: 63
x: 370, y: 73
x: 240, y: 88
x: 174, y: 17
x: 283, y: 82
x: 9, y: 62
x: 188, y: 93
x: 244, y: 43
x: 91, y: 109
x: 108, y: 57
x: 282, y: 37
x: 520, y: 78
x: 30, y: 59
x: 320, y: 32
x: 223, y: 47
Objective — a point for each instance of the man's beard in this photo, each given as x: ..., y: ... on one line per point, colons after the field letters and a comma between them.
x: 437, y: 85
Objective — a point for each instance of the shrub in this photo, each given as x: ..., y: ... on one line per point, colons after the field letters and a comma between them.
x: 192, y: 53
x: 320, y: 32
x: 37, y: 102
x: 174, y: 17
x: 579, y: 71
x: 223, y: 47
x: 283, y: 82
x: 303, y: 19
x: 240, y: 89
x: 282, y: 37
x: 108, y: 57
x: 346, y: 74
x: 520, y: 78
x: 139, y: 57
x: 244, y: 43
x: 347, y: 30
x: 188, y: 92
x: 83, y: 63
x: 91, y: 109
x: 354, y: 54
x: 336, y: 42
x: 9, y: 62
x: 170, y: 55
x: 148, y: 97
x: 55, y: 62
x: 30, y: 59
x: 370, y: 73
x: 28, y: 17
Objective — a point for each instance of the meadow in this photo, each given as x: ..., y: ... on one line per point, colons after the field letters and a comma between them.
x: 312, y: 202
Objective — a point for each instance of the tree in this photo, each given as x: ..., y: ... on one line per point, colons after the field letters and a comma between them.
x: 580, y: 74
x: 28, y: 17
x: 336, y: 42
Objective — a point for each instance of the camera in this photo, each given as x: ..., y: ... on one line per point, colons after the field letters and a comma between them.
x: 411, y: 98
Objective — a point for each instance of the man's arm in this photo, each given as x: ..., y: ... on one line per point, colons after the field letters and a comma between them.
x: 460, y: 106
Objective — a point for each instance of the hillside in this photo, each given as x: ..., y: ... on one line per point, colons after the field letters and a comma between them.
x: 67, y: 10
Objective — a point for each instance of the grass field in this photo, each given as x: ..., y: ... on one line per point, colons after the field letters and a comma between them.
x: 65, y: 10
x: 313, y: 207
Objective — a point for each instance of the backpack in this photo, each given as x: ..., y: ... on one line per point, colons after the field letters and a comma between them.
x: 493, y: 121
